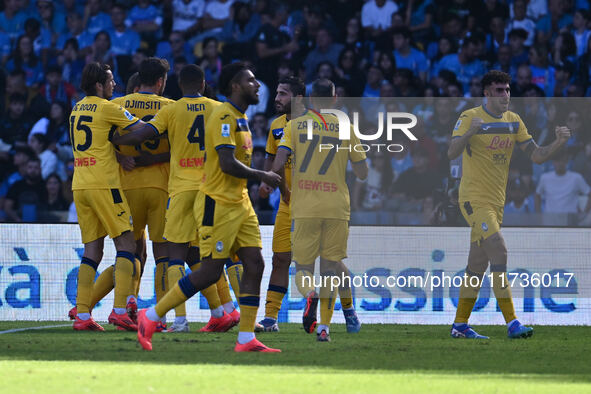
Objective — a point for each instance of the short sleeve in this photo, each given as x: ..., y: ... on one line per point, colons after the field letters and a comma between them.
x: 523, y: 135
x: 285, y: 142
x: 271, y: 147
x: 355, y: 156
x: 118, y: 116
x: 462, y: 125
x: 161, y: 119
x: 223, y: 130
x: 582, y: 185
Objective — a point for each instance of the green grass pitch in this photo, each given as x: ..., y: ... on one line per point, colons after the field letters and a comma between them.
x: 380, y: 359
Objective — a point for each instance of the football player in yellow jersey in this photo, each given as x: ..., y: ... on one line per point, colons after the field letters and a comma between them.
x: 278, y: 282
x: 227, y: 222
x: 320, y: 206
x: 485, y: 136
x: 100, y: 203
x: 144, y: 179
x: 185, y: 123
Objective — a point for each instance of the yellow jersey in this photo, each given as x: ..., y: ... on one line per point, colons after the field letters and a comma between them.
x: 91, y: 121
x: 485, y: 161
x: 144, y: 106
x: 273, y: 140
x: 185, y: 122
x: 227, y: 127
x: 319, y: 188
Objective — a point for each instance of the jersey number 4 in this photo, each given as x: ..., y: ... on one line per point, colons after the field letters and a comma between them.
x: 326, y: 140
x: 196, y: 133
x: 81, y: 126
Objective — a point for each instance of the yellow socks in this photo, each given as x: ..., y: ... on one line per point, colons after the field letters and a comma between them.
x: 502, y: 290
x: 346, y: 297
x: 223, y: 289
x: 249, y: 306
x: 176, y: 271
x: 177, y: 295
x: 468, y: 296
x: 137, y: 277
x: 102, y: 286
x: 86, y: 274
x: 160, y: 279
x: 235, y: 275
x: 210, y: 293
x: 327, y: 299
x: 275, y: 296
x: 124, y: 267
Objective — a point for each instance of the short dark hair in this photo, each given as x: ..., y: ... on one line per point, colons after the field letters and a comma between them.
x: 17, y: 97
x: 72, y: 42
x: 322, y: 88
x: 152, y: 69
x: 227, y: 75
x: 191, y: 77
x: 42, y: 138
x: 132, y: 83
x: 402, y: 30
x: 495, y: 76
x: 92, y: 74
x: 296, y: 85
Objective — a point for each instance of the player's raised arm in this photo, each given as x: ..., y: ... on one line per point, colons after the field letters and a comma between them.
x: 464, y: 130
x: 231, y: 166
x: 541, y: 154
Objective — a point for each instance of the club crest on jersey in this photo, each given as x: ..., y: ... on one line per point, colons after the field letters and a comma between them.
x: 277, y: 133
x: 225, y: 130
x: 459, y: 122
x: 219, y: 246
x: 128, y: 115
x: 484, y: 227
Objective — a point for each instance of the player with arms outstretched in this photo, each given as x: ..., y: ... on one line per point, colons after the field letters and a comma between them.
x: 100, y: 202
x: 228, y: 223
x: 320, y: 213
x: 485, y: 136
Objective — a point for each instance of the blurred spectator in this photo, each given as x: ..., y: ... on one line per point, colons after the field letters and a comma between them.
x: 520, y: 20
x: 95, y: 19
x: 404, y: 83
x: 40, y: 37
x: 325, y: 50
x: 211, y: 62
x: 560, y: 189
x: 56, y: 130
x: 408, y: 57
x: 186, y: 16
x: 522, y: 81
x: 54, y: 89
x: 36, y: 106
x: 55, y: 198
x: 70, y: 63
x: 25, y: 197
x: 574, y: 120
x: 374, y: 81
x: 146, y: 20
x: 49, y: 162
x: 22, y: 155
x: 376, y: 16
x: 52, y: 20
x: 100, y: 50
x: 12, y: 19
x: 580, y: 31
x: 124, y: 41
x: 564, y: 49
x: 216, y: 13
x: 556, y: 19
x: 354, y: 38
x: 542, y: 72
x: 407, y: 191
x: 372, y: 193
x: 75, y: 30
x: 387, y: 63
x: 175, y: 47
x: 464, y: 64
x: 504, y: 61
x: 496, y: 37
x: 23, y: 58
x: 242, y: 27
x: 519, y: 51
x: 563, y: 74
x: 14, y: 130
x: 172, y: 89
x: 348, y: 71
x: 419, y: 17
x: 517, y: 198
x: 272, y: 44
x: 259, y: 127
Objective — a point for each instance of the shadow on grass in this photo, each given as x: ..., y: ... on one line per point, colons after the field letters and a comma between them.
x: 553, y: 353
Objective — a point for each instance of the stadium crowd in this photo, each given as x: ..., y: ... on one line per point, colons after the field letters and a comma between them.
x: 376, y: 49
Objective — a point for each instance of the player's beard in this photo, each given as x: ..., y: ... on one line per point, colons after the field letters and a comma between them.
x: 251, y: 99
x: 282, y: 109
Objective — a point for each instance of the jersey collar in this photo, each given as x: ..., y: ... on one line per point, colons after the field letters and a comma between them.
x: 192, y: 96
x: 234, y: 105
x: 494, y: 116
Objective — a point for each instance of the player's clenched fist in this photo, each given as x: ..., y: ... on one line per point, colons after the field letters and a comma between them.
x: 562, y: 133
x: 271, y: 178
x: 475, y: 125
